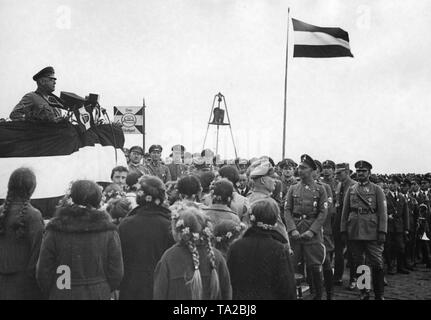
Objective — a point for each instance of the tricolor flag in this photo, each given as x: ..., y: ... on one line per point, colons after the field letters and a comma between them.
x: 58, y: 153
x: 317, y: 42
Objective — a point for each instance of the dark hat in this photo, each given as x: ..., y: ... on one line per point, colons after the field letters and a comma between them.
x: 178, y: 147
x: 318, y: 165
x: 308, y: 161
x: 285, y: 163
x: 362, y: 164
x: 395, y: 179
x: 329, y: 163
x: 341, y: 167
x: 45, y: 72
x: 155, y: 147
x: 137, y: 149
x: 406, y: 182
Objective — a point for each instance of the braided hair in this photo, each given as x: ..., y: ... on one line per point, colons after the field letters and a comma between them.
x: 192, y: 228
x: 195, y: 282
x: 215, y: 282
x: 21, y: 186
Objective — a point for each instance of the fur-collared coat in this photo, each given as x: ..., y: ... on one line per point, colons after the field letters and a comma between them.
x: 88, y: 243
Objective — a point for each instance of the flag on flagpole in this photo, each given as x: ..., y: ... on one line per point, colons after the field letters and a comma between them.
x: 318, y: 42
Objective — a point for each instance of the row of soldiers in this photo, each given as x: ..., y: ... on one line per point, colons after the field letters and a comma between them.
x: 329, y: 212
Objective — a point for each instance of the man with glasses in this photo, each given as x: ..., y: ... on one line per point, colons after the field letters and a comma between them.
x: 364, y: 223
x: 41, y: 104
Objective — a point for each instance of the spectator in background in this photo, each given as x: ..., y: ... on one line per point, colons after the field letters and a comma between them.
x: 177, y: 169
x: 145, y: 235
x: 81, y: 237
x: 155, y: 166
x: 133, y: 186
x: 118, y: 209
x: 190, y: 191
x: 119, y: 175
x: 206, y: 179
x: 135, y: 164
x: 192, y: 269
x: 239, y: 203
x: 221, y: 200
x: 21, y: 229
x: 242, y: 185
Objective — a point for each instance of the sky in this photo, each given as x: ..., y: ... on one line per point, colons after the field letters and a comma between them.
x: 177, y: 54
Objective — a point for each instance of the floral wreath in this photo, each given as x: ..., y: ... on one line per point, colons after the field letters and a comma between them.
x: 148, y: 198
x: 261, y: 224
x: 184, y: 232
x: 231, y: 234
x: 114, y: 194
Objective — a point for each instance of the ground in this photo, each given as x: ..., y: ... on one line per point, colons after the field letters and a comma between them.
x: 413, y: 286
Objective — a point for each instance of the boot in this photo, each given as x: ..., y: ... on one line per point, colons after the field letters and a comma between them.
x: 309, y: 279
x: 365, y: 294
x: 317, y: 282
x: 391, y: 267
x: 378, y: 283
x: 329, y: 283
x: 401, y: 266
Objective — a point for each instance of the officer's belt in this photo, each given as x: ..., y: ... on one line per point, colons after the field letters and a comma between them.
x: 304, y: 216
x: 362, y: 210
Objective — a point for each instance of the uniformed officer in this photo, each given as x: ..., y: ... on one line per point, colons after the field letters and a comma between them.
x: 342, y: 172
x: 41, y: 104
x: 177, y: 168
x: 135, y: 164
x: 328, y: 239
x: 412, y: 205
x: 155, y: 166
x: 262, y: 174
x: 305, y: 213
x: 364, y: 221
x: 328, y: 170
x: 398, y: 228
x: 287, y: 167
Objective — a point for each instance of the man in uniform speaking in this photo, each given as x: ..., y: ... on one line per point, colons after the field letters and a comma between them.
x: 40, y: 105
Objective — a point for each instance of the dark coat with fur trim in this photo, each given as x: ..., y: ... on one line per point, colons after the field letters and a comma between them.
x: 145, y: 235
x: 88, y: 243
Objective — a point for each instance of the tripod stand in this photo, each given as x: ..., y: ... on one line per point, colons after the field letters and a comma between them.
x: 218, y: 120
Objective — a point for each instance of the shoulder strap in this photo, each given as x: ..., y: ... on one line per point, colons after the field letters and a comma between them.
x: 361, y: 197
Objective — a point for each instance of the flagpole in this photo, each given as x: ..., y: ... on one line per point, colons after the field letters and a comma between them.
x: 285, y: 84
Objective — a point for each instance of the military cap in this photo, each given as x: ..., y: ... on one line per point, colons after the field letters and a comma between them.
x: 328, y: 163
x: 45, y: 72
x: 406, y: 182
x: 395, y: 179
x: 137, y: 149
x: 287, y: 163
x: 308, y: 161
x: 341, y: 167
x: 318, y: 165
x: 155, y: 147
x: 362, y: 164
x: 178, y: 147
x: 375, y: 179
x: 264, y: 168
